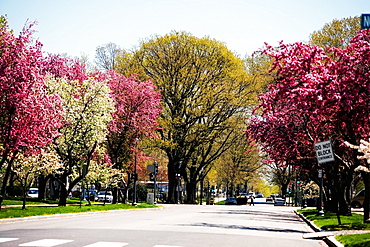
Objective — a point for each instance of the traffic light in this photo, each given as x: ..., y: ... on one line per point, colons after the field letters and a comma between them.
x: 151, y: 176
x: 134, y: 176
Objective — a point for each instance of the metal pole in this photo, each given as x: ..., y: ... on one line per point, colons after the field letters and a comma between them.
x: 134, y: 203
x: 201, y: 192
x: 155, y: 181
x: 319, y: 206
x: 178, y: 189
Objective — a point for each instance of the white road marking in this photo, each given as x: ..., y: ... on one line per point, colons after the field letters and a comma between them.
x: 106, y: 244
x: 166, y: 246
x: 46, y: 242
x: 3, y: 240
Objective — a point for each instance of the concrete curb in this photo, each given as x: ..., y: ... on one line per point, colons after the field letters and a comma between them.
x: 329, y: 240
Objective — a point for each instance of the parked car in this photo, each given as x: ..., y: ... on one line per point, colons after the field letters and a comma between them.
x: 105, y: 196
x: 33, y: 192
x: 269, y: 199
x: 259, y: 196
x: 279, y: 202
x: 92, y: 194
x: 358, y: 200
x: 230, y: 201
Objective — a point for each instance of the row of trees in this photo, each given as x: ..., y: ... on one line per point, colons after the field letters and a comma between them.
x: 59, y: 120
x: 91, y: 123
x: 316, y: 91
x: 206, y: 94
x: 320, y: 92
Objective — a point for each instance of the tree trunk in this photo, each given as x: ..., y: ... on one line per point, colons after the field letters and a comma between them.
x: 172, y: 183
x: 191, y: 191
x: 284, y: 187
x: 366, y: 203
x: 42, y: 187
x: 115, y: 195
x: 63, y: 193
x: 6, y: 176
x: 24, y: 198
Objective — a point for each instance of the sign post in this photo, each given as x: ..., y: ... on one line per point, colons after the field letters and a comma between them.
x: 324, y: 153
x: 319, y: 206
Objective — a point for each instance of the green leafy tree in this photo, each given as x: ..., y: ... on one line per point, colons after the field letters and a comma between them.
x: 238, y: 165
x: 338, y: 33
x: 203, y: 86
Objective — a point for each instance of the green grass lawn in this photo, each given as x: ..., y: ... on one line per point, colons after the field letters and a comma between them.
x: 355, y: 240
x: 43, y: 208
x: 329, y: 222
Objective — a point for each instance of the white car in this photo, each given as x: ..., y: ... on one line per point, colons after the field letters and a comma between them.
x: 105, y: 196
x: 33, y: 192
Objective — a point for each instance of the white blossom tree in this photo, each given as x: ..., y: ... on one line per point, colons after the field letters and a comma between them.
x: 28, y: 167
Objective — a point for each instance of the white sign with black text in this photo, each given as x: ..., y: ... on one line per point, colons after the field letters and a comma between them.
x: 324, y: 152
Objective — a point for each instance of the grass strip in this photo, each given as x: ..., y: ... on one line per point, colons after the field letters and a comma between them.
x: 16, y: 212
x: 329, y: 221
x: 355, y: 240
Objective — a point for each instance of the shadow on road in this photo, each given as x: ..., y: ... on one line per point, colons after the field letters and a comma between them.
x: 240, y: 227
x: 260, y: 215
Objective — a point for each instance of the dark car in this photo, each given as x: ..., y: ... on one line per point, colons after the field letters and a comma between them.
x: 358, y: 200
x: 230, y: 201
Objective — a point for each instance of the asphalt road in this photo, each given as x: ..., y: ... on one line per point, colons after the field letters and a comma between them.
x: 170, y: 226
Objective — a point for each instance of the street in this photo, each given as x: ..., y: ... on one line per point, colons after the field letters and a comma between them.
x: 169, y: 226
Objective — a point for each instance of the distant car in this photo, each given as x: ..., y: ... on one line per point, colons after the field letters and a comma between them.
x: 230, y: 201
x: 105, y: 196
x: 269, y: 199
x: 92, y: 194
x: 279, y: 202
x: 259, y: 196
x: 33, y: 192
x: 358, y: 200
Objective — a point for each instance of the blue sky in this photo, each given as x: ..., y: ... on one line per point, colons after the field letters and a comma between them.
x: 77, y: 27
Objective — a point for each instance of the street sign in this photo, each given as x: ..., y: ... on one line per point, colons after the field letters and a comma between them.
x: 324, y: 152
x: 365, y: 21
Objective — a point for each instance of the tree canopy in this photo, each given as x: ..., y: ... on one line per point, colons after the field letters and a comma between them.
x: 203, y: 87
x: 318, y: 95
x: 338, y: 33
x: 30, y: 117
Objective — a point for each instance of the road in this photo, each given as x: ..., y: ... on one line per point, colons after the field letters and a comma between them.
x: 170, y: 226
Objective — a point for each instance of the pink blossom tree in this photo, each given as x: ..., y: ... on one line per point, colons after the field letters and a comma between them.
x: 137, y: 106
x: 30, y: 117
x: 318, y: 95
